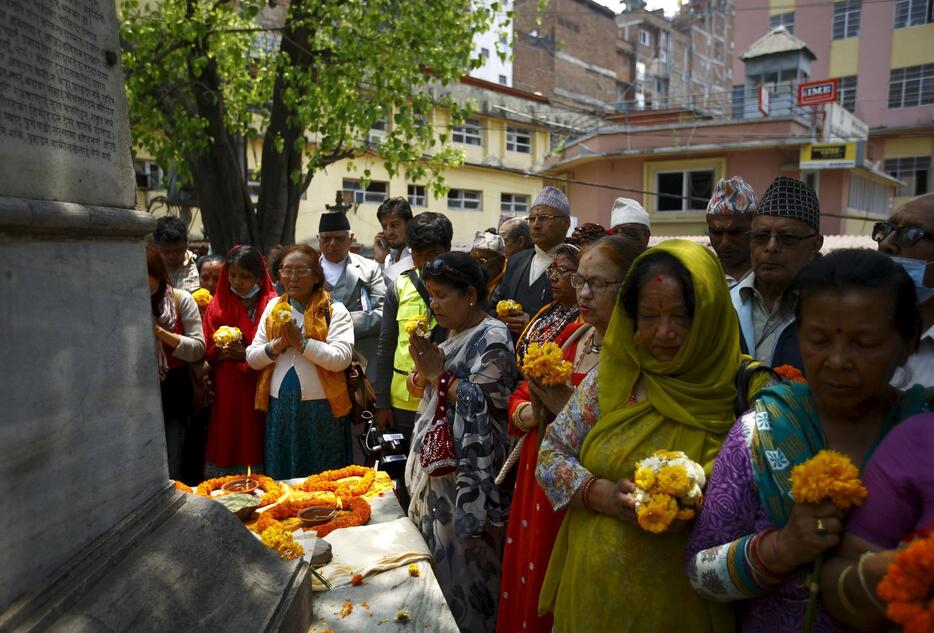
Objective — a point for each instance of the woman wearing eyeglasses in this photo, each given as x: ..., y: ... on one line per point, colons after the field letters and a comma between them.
x: 533, y: 525
x: 666, y: 380
x: 459, y: 443
x: 235, y: 430
x: 303, y: 383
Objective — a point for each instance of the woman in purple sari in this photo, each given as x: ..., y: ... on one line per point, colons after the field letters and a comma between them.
x: 857, y: 322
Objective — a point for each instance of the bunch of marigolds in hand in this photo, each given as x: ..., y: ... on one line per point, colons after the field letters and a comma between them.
x: 202, y: 297
x: 281, y: 313
x: 418, y: 326
x: 669, y: 487
x: 226, y: 334
x: 545, y: 364
x: 507, y: 307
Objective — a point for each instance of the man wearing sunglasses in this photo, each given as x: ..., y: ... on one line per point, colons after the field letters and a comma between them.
x: 785, y: 237
x: 524, y: 280
x: 908, y: 236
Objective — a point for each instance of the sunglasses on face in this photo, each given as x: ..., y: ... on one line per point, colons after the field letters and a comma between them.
x: 904, y: 236
x: 787, y: 240
x: 437, y: 268
x: 554, y: 273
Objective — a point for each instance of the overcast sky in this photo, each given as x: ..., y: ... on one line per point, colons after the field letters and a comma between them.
x: 670, y: 6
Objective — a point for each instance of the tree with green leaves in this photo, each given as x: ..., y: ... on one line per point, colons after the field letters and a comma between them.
x: 310, y: 77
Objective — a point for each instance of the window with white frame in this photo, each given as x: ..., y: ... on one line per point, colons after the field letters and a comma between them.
x: 846, y: 92
x: 519, y: 140
x: 417, y: 197
x: 686, y: 190
x: 515, y: 203
x: 868, y: 196
x: 645, y: 38
x: 913, y: 12
x: 375, y: 192
x: 914, y: 171
x: 911, y: 86
x: 846, y: 19
x: 783, y: 19
x: 148, y: 174
x: 468, y: 133
x: 464, y: 199
x: 377, y: 131
x: 485, y: 52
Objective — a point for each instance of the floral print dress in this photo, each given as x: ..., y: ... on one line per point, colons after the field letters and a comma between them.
x: 462, y: 514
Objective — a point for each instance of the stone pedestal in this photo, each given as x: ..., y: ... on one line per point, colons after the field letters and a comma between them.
x: 95, y: 538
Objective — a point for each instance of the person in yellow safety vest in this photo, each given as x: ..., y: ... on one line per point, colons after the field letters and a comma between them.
x: 428, y: 235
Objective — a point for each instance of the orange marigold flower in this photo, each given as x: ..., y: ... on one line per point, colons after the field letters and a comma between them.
x: 908, y: 587
x: 357, y: 580
x: 183, y: 487
x: 790, y: 373
x: 347, y: 609
x: 828, y: 475
x: 270, y: 487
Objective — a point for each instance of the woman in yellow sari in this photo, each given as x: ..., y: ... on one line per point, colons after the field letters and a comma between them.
x: 666, y: 380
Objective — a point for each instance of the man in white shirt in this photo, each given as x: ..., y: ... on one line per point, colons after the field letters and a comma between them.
x: 389, y: 245
x: 353, y: 280
x: 524, y: 280
x: 909, y: 238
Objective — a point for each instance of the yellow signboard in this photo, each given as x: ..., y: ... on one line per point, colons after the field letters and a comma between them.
x: 829, y: 156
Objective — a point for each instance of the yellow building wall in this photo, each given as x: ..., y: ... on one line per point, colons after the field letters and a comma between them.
x: 781, y: 6
x: 905, y: 147
x: 678, y: 222
x: 913, y: 46
x: 844, y: 57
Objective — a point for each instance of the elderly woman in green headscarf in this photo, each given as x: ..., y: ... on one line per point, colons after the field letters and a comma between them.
x: 666, y: 380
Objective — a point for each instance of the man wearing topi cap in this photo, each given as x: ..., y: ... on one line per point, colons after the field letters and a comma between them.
x: 524, y: 280
x: 630, y: 219
x: 729, y: 220
x: 490, y: 252
x: 785, y: 237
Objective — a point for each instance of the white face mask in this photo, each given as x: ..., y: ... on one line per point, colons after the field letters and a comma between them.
x: 252, y: 293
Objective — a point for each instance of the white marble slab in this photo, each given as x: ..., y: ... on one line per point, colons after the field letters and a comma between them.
x: 377, y: 601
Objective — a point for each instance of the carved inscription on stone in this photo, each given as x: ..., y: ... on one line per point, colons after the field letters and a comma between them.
x: 53, y: 77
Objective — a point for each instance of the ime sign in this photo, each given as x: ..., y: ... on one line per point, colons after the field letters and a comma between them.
x: 817, y: 92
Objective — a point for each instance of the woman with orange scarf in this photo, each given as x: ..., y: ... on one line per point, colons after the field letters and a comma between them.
x: 235, y: 432
x: 303, y: 362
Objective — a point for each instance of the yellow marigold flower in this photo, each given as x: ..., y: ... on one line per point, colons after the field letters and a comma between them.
x: 508, y: 306
x: 685, y: 515
x: 225, y: 335
x: 644, y: 477
x: 669, y: 455
x: 656, y: 515
x: 277, y: 538
x: 281, y: 313
x: 828, y: 475
x: 414, y: 570
x: 674, y: 481
x: 418, y: 326
x: 202, y: 297
x: 546, y: 364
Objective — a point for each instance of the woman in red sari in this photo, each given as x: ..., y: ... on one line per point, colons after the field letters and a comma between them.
x: 533, y: 525
x: 235, y: 433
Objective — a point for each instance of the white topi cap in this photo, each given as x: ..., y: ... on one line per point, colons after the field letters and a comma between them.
x: 628, y: 211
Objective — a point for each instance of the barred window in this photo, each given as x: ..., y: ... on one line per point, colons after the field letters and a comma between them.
x: 911, y: 86
x: 846, y: 19
x: 846, y: 92
x: 914, y: 171
x: 913, y: 12
x: 417, y: 196
x: 375, y: 192
x: 468, y: 133
x: 464, y: 199
x: 783, y: 19
x: 519, y: 140
x: 739, y: 92
x: 514, y: 203
x: 684, y: 190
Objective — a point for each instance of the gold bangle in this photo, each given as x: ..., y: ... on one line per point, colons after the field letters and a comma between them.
x: 862, y: 581
x: 517, y: 415
x: 841, y: 590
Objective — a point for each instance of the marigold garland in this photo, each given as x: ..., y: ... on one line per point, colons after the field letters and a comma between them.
x: 418, y: 326
x: 790, y: 373
x: 271, y: 489
x: 281, y: 313
x: 182, y: 486
x: 508, y: 306
x: 202, y: 297
x: 828, y: 475
x: 545, y: 364
x: 356, y: 512
x: 280, y: 540
x: 908, y: 587
x: 328, y: 481
x: 226, y: 334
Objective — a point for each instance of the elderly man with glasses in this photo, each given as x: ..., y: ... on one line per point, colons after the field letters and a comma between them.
x: 524, y: 280
x: 785, y: 237
x: 909, y: 238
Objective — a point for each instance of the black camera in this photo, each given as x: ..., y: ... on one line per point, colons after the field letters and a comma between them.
x: 389, y: 450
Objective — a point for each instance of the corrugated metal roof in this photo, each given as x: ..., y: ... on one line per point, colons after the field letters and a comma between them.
x: 778, y: 40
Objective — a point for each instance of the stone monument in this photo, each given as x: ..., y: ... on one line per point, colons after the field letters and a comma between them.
x: 95, y: 537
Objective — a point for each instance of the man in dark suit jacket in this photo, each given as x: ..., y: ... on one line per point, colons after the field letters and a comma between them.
x: 524, y: 280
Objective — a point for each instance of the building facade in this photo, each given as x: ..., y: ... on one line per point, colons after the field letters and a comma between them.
x: 882, y: 55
